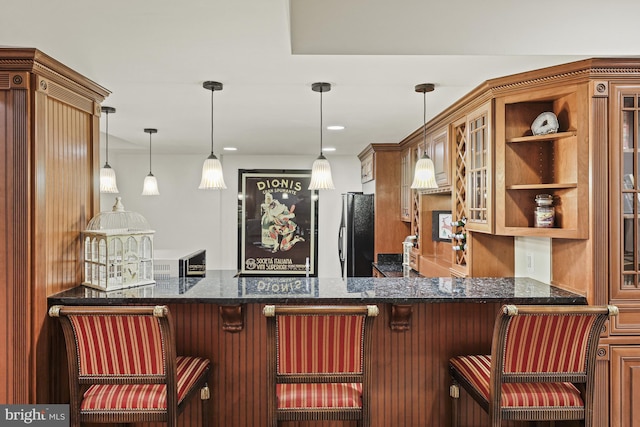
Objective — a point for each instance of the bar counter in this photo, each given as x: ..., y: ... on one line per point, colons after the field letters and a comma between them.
x: 422, y: 323
x: 222, y: 287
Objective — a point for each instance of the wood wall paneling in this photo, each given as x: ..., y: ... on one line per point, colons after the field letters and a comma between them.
x: 410, y: 369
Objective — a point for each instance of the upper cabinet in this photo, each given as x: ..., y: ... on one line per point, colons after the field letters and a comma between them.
x: 479, y: 169
x: 366, y: 167
x: 438, y: 150
x: 625, y: 197
x: 386, y: 170
x: 554, y: 164
x: 406, y: 172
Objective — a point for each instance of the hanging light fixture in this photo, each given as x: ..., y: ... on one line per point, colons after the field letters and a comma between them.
x: 107, y: 174
x: 424, y: 176
x: 212, y: 178
x: 150, y: 187
x: 321, y: 169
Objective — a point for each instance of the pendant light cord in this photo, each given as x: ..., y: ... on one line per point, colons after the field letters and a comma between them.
x: 424, y: 120
x: 150, y: 154
x: 107, y: 139
x: 212, y: 90
x: 321, y: 120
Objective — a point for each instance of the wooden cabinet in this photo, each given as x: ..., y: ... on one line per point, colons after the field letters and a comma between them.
x: 479, y: 169
x: 556, y: 164
x: 50, y: 133
x: 625, y: 373
x: 625, y: 198
x: 390, y: 230
x: 459, y: 190
x: 438, y: 150
x: 366, y: 168
x: 624, y: 288
x: 591, y: 168
x: 406, y: 170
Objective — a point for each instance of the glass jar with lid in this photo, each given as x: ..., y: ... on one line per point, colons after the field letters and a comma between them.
x: 545, y: 212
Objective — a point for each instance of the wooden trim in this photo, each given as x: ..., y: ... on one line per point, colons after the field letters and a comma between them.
x: 15, y: 259
x: 35, y: 61
x: 599, y: 188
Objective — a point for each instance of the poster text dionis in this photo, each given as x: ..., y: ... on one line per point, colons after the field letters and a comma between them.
x: 278, y: 223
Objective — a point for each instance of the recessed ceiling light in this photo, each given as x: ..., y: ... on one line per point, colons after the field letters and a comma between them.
x: 329, y: 149
x: 230, y: 149
x: 335, y: 127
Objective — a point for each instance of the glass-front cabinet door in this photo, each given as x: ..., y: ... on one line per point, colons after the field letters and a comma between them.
x: 479, y: 170
x: 626, y: 193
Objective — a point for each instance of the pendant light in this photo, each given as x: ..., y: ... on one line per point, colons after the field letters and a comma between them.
x: 150, y: 187
x: 321, y: 169
x: 212, y: 178
x: 424, y: 176
x: 107, y: 174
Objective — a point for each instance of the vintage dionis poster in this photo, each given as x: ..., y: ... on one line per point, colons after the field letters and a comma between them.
x: 277, y: 223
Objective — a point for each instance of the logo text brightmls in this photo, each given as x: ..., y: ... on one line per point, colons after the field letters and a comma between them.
x: 37, y: 415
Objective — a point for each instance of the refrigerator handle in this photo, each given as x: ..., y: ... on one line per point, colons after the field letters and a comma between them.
x: 341, y: 245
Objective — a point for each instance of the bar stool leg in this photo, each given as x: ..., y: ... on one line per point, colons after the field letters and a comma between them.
x: 205, y: 394
x: 454, y: 393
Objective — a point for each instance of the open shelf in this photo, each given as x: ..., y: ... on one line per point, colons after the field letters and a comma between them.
x: 541, y: 186
x: 555, y: 163
x: 540, y: 138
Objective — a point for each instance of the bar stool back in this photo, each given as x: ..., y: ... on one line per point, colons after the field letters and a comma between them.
x: 541, y: 367
x: 123, y: 366
x: 319, y: 365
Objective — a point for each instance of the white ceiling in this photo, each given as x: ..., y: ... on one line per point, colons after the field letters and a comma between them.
x: 154, y: 56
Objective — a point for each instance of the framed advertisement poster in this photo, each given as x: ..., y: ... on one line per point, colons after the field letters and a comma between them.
x: 277, y: 223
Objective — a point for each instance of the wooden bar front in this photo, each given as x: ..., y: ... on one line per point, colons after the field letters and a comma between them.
x: 410, y: 381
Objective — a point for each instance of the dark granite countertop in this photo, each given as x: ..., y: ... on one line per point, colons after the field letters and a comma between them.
x: 395, y: 269
x: 221, y: 287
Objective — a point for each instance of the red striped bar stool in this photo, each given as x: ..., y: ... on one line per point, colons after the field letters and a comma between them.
x: 319, y: 365
x: 541, y: 366
x: 123, y: 366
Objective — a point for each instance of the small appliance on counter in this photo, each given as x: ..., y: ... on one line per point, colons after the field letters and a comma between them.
x: 173, y: 263
x: 407, y: 245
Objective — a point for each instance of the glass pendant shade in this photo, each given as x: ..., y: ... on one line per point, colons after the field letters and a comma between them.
x: 425, y: 176
x: 107, y: 174
x: 150, y: 187
x: 108, y: 180
x: 321, y: 170
x: 212, y: 178
x: 321, y: 175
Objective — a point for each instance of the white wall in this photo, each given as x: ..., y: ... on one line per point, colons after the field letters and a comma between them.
x: 533, y: 258
x: 187, y: 219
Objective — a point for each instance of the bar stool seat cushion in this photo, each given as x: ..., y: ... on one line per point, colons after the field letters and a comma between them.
x: 476, y: 369
x: 318, y: 396
x: 145, y: 397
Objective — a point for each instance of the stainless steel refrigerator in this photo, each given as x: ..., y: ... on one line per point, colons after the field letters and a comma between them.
x: 355, y: 237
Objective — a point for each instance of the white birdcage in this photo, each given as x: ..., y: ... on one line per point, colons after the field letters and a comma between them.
x: 118, y: 250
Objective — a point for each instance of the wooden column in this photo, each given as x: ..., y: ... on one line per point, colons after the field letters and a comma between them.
x: 49, y: 125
